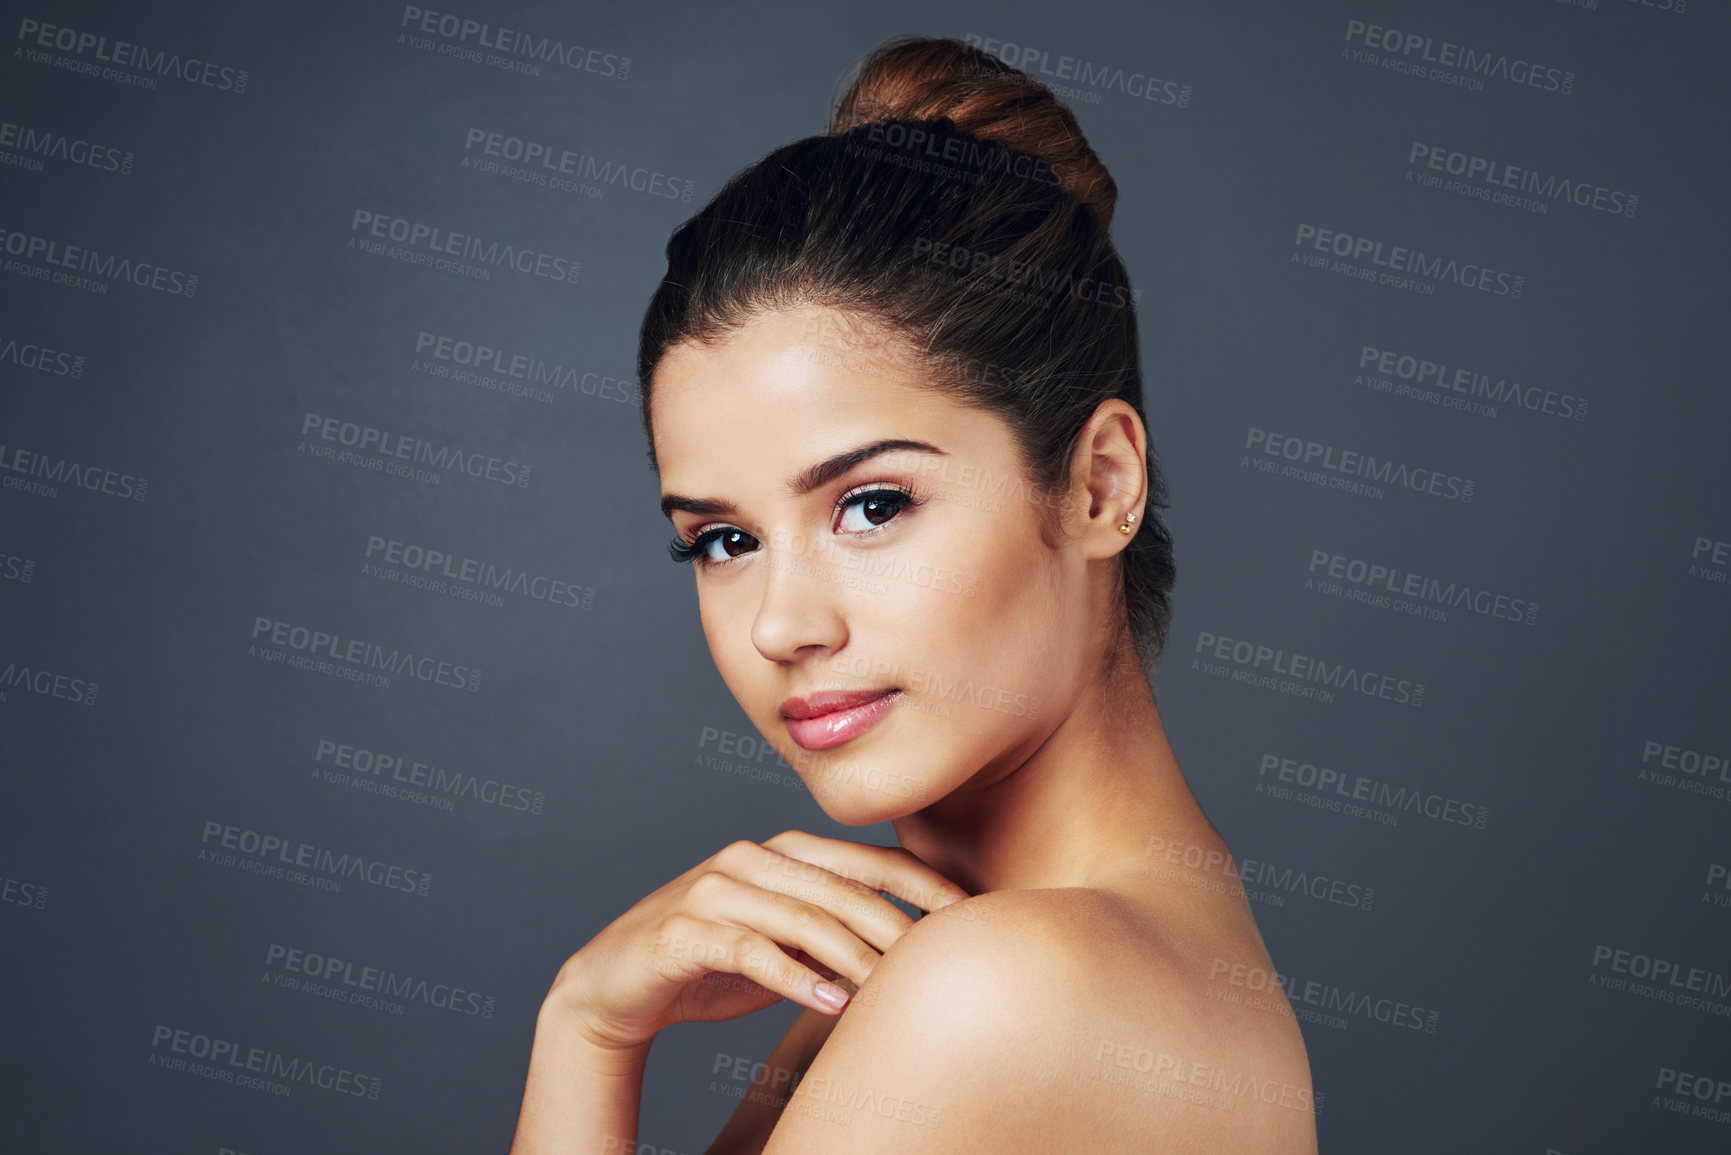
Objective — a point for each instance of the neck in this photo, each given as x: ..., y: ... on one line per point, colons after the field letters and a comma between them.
x: 1077, y: 808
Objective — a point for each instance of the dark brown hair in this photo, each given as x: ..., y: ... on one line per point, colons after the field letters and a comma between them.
x: 955, y: 204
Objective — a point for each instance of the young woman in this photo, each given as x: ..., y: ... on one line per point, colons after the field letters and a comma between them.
x: 892, y: 391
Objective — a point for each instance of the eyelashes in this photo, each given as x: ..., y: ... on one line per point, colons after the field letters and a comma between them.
x: 697, y: 550
x: 682, y: 551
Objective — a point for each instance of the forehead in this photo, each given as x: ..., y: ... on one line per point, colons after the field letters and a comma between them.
x: 791, y: 387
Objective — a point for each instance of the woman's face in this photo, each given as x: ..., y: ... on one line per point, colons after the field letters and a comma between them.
x: 828, y: 562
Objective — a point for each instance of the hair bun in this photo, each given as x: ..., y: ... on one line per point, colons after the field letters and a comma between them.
x: 923, y: 78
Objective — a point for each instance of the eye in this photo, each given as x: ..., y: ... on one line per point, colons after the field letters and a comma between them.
x: 870, y: 508
x: 702, y: 548
x: 733, y: 542
x: 860, y: 512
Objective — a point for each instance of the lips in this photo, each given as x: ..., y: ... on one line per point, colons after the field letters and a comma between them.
x: 831, y: 717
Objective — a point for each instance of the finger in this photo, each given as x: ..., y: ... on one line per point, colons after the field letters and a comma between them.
x: 788, y: 920
x: 893, y: 869
x: 803, y: 958
x: 860, y: 908
x: 855, y: 900
x: 695, y: 947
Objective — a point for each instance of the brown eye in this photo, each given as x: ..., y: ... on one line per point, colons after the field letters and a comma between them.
x: 701, y: 549
x: 873, y: 507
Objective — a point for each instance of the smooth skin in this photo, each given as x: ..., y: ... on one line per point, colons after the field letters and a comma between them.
x: 1090, y: 976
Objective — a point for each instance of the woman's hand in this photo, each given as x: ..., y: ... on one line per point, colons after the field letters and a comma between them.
x: 749, y: 926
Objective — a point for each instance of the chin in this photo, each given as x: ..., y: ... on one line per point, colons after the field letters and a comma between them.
x: 860, y: 791
x: 863, y: 788
x: 851, y: 809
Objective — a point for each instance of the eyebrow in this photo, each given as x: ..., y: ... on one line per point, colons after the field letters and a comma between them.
x: 807, y: 480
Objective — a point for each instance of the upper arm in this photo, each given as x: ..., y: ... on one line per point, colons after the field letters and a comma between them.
x: 762, y: 1099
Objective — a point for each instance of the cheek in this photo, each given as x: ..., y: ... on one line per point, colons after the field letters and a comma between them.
x: 727, y: 630
x: 1021, y: 598
x: 989, y: 657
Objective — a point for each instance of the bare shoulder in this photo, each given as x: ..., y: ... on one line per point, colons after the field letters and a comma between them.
x: 1040, y: 1020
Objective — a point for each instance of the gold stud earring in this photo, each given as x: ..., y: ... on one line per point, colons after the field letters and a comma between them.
x: 1128, y: 522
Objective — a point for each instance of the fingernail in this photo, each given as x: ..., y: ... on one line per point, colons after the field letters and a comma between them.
x: 830, y: 994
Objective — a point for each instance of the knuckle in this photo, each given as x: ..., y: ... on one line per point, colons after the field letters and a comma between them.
x: 669, y: 932
x: 708, y: 886
x: 808, y: 914
x: 671, y: 948
x: 790, y: 839
x: 858, y: 889
x: 738, y: 851
x: 742, y: 947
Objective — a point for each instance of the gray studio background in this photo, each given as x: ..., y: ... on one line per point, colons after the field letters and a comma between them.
x: 1550, y: 900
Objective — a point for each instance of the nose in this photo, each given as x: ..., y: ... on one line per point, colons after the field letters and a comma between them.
x: 800, y: 614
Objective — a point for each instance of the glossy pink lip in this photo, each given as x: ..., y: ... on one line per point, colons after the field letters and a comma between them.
x: 831, y: 717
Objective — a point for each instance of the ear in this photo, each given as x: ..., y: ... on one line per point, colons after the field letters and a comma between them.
x: 1110, y: 468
